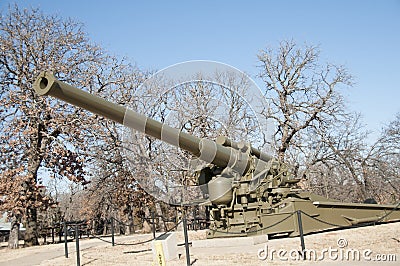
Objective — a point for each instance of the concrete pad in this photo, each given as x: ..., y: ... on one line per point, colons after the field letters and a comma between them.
x: 230, y: 241
x: 167, y: 242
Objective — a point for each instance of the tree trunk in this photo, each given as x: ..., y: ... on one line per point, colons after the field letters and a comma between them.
x: 31, y: 234
x: 105, y: 228
x: 37, y: 146
x: 93, y: 229
x: 14, y: 233
x: 159, y: 215
x: 129, y: 225
x: 146, y: 227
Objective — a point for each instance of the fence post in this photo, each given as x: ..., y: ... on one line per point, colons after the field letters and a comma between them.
x: 112, y: 231
x: 65, y: 239
x: 78, y: 258
x: 154, y: 224
x: 194, y: 227
x: 185, y: 232
x: 303, y: 246
x: 132, y: 222
x: 60, y: 229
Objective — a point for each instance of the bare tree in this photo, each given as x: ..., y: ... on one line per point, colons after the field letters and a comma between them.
x: 341, y: 149
x: 114, y: 191
x: 353, y: 169
x: 384, y: 163
x: 302, y: 92
x: 206, y: 107
x: 38, y: 133
x: 315, y: 133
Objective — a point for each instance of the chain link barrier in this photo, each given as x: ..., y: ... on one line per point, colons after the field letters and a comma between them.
x: 289, y: 215
x: 137, y: 243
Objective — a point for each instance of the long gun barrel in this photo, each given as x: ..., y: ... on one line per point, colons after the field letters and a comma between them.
x: 207, y: 150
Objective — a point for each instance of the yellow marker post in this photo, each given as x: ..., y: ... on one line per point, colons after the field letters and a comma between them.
x: 160, y: 259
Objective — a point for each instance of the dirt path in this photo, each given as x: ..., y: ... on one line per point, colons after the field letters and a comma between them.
x: 47, y: 253
x: 36, y: 255
x: 374, y: 241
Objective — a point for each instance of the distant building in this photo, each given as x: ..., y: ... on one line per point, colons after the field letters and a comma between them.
x: 5, y: 224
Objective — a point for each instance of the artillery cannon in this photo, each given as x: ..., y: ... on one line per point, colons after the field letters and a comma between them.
x: 249, y: 192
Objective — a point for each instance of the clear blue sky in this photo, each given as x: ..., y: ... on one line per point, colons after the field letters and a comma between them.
x: 363, y: 35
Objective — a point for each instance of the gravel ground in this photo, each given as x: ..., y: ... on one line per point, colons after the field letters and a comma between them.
x: 372, y: 243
